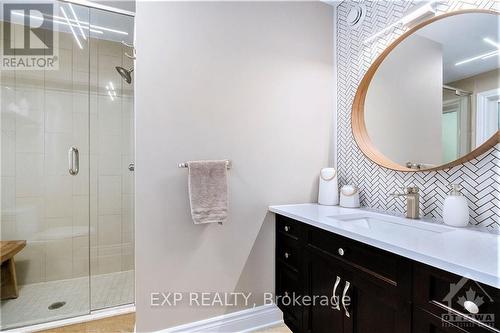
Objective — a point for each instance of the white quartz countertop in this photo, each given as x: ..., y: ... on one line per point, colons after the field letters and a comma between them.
x: 465, y: 252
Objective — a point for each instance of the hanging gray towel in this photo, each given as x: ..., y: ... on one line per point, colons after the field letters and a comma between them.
x: 208, y: 191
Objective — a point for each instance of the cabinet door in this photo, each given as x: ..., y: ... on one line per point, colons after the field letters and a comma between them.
x: 324, y: 279
x: 372, y: 307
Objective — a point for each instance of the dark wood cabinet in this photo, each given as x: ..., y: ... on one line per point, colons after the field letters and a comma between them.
x: 442, y: 295
x: 375, y: 309
x: 324, y: 286
x: 368, y: 290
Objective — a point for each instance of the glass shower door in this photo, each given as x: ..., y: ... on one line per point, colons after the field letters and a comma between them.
x: 112, y: 153
x: 45, y: 156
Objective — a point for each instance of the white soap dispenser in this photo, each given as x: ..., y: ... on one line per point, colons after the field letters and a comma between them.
x: 456, y: 208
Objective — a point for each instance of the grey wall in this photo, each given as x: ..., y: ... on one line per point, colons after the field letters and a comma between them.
x: 395, y: 107
x: 480, y: 177
x: 251, y: 82
x: 477, y: 84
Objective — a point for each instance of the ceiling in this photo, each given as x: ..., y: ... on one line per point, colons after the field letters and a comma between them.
x: 461, y: 37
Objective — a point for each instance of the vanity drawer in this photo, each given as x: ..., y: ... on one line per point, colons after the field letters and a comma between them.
x: 424, y: 322
x: 288, y: 227
x: 384, y: 268
x: 442, y: 293
x: 287, y: 251
x: 288, y: 286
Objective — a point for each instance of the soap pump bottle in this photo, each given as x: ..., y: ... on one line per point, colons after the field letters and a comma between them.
x: 456, y: 208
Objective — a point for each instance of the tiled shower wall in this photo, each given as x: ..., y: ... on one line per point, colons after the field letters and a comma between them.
x: 479, y: 177
x: 43, y: 114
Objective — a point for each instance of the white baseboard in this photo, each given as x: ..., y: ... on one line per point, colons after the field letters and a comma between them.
x: 249, y: 320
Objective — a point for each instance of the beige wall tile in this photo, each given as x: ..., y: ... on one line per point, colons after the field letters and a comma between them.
x: 8, y: 196
x: 29, y: 217
x: 109, y: 197
x: 29, y: 139
x: 110, y: 264
x: 8, y: 153
x: 81, y: 213
x: 110, y: 164
x: 110, y: 142
x: 8, y: 227
x: 29, y: 174
x: 7, y: 103
x: 30, y: 264
x: 110, y: 230
x: 28, y: 107
x: 59, y: 196
x: 57, y: 143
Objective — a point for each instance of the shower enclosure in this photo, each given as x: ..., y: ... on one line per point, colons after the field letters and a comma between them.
x: 67, y: 153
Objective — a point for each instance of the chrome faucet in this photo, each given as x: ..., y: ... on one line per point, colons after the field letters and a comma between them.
x: 412, y: 201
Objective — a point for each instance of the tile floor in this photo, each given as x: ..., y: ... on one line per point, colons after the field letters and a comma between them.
x: 31, y: 307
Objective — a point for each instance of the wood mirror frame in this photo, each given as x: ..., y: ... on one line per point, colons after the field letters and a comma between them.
x: 358, y: 108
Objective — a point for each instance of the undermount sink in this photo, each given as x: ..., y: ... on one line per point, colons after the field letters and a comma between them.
x: 374, y: 222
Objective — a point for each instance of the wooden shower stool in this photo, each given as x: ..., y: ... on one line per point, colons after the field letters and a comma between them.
x: 8, y: 249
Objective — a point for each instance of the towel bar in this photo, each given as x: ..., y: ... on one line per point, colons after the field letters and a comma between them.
x: 185, y: 164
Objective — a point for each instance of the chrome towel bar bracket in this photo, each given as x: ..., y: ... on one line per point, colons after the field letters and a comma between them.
x: 185, y: 164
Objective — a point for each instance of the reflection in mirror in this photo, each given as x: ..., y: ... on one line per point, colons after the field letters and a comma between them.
x: 436, y: 96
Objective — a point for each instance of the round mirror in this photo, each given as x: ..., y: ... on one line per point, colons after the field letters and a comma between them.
x: 432, y: 99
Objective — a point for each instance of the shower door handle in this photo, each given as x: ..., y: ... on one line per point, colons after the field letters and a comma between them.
x: 73, y: 160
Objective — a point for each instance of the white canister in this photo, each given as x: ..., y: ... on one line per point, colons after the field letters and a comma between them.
x: 328, y: 187
x: 349, y: 196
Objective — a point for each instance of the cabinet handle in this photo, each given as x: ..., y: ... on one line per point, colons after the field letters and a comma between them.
x: 337, y: 304
x: 287, y: 255
x: 468, y: 318
x: 74, y: 161
x: 341, y: 251
x: 344, y: 293
x: 471, y: 307
x: 287, y: 228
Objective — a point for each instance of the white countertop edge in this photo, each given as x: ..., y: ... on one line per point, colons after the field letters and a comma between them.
x: 467, y: 272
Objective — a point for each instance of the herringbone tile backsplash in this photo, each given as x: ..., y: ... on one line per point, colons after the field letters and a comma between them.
x: 479, y: 177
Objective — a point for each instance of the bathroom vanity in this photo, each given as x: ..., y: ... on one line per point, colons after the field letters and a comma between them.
x: 389, y: 274
x: 427, y: 103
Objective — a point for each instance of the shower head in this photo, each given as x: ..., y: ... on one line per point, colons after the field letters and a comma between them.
x: 125, y: 73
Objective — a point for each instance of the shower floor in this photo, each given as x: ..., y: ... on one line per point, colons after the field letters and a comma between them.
x: 31, y: 307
